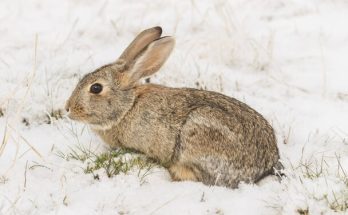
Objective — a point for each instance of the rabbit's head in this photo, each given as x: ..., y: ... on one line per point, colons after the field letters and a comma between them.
x: 103, y: 97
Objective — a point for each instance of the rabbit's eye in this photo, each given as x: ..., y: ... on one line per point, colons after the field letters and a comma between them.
x: 96, y: 88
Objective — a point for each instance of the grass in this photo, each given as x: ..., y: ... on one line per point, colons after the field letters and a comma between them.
x: 116, y: 162
x: 111, y: 162
x: 78, y: 152
x: 53, y: 115
x: 303, y: 211
x: 314, y: 171
x: 3, y: 180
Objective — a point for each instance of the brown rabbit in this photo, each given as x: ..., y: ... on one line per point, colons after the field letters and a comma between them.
x: 198, y: 135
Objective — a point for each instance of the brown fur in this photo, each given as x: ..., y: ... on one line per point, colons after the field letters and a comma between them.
x: 182, y: 173
x: 198, y: 135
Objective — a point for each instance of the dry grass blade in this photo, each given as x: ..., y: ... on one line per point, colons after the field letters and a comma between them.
x: 28, y: 144
x: 4, y: 140
x: 7, y: 132
x: 164, y: 204
x: 25, y: 176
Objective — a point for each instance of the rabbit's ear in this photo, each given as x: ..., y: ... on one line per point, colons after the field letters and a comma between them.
x: 138, y: 44
x: 148, y: 61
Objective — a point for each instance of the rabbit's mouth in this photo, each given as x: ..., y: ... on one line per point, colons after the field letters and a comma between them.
x: 76, y: 113
x: 95, y: 124
x: 76, y: 116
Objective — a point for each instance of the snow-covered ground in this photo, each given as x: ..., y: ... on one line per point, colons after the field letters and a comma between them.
x: 288, y: 59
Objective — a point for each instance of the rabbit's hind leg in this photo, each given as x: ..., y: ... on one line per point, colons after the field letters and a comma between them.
x: 181, y: 172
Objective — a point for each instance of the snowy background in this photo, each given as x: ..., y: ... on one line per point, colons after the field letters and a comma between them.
x: 288, y: 59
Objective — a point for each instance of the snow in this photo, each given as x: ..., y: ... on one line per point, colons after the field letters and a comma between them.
x: 286, y: 59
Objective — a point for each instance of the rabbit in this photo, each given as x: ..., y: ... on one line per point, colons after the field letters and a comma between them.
x: 197, y: 135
